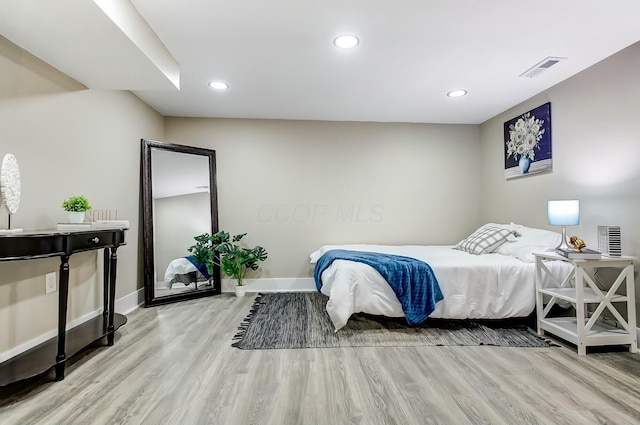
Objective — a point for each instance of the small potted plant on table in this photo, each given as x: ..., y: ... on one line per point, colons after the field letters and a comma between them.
x: 76, y: 206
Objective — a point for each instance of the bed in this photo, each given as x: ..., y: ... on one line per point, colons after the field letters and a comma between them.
x: 494, y: 280
x: 183, y: 270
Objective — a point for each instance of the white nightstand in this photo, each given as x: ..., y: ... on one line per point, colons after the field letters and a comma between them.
x: 581, y: 330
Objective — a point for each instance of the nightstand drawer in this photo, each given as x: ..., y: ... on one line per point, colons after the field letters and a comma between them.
x: 82, y: 241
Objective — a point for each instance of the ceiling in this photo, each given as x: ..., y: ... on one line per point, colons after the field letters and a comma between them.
x: 280, y: 63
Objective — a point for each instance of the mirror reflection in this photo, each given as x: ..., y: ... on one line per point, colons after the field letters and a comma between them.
x: 180, y: 198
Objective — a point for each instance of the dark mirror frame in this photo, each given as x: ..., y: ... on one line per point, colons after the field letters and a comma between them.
x: 147, y: 221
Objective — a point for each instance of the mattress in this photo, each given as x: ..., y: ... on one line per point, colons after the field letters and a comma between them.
x: 489, y: 286
x: 180, y: 271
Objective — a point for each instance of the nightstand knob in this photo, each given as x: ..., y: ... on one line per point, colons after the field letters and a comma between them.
x: 95, y: 240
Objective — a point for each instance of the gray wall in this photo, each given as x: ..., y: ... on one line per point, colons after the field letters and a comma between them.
x: 297, y: 185
x: 596, y: 147
x: 68, y: 141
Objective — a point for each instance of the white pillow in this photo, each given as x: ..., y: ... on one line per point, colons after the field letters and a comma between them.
x: 509, y: 226
x: 484, y: 240
x: 315, y: 256
x: 531, y: 240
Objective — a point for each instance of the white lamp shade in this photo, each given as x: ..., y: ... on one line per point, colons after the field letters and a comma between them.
x: 564, y: 213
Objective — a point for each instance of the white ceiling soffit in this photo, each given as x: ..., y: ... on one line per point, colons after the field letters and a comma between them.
x: 118, y: 52
x: 279, y: 59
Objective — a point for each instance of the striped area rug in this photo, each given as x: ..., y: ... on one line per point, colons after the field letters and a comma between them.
x: 299, y: 320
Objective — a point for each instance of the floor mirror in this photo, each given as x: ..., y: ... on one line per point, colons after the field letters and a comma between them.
x: 179, y: 202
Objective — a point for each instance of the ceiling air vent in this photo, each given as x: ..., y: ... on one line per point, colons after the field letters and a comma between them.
x: 540, y: 67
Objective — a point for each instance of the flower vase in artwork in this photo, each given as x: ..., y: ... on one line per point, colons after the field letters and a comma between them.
x: 524, y: 138
x: 524, y: 163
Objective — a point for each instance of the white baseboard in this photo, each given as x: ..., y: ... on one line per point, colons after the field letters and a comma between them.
x: 128, y: 303
x: 124, y: 305
x: 295, y: 284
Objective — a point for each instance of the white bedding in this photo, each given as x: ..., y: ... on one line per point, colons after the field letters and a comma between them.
x: 178, y: 266
x: 488, y: 286
x: 176, y: 271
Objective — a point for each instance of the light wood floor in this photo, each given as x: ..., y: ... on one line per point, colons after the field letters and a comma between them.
x: 174, y: 364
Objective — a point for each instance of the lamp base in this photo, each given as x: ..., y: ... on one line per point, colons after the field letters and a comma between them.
x: 563, y: 243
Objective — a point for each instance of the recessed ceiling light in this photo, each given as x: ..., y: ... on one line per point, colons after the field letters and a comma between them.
x: 457, y: 93
x: 219, y: 85
x: 346, y: 41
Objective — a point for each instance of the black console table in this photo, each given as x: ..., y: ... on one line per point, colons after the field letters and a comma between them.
x: 55, y: 243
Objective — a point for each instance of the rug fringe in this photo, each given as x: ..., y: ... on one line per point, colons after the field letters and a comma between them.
x: 244, y: 325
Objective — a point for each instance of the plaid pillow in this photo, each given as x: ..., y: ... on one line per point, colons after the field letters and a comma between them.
x: 484, y: 240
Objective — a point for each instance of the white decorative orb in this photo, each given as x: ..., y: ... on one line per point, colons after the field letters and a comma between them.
x: 10, y: 183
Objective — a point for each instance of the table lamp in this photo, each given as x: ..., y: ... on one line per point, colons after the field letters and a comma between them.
x: 564, y: 213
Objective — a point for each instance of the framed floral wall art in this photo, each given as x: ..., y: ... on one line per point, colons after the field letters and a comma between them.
x: 527, y: 143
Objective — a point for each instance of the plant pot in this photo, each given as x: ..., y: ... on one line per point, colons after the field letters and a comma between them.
x: 76, y: 216
x: 241, y: 290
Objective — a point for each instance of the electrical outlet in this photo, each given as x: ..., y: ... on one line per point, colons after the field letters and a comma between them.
x: 50, y: 282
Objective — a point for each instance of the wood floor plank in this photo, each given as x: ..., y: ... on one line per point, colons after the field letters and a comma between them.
x: 174, y: 364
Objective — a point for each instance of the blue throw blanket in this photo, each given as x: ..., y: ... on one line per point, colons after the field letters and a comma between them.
x: 413, y: 281
x: 202, y: 268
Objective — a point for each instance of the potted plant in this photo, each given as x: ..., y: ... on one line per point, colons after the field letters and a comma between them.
x: 235, y: 259
x: 203, y: 252
x: 76, y: 206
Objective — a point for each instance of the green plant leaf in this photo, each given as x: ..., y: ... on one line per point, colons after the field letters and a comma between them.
x: 237, y: 238
x: 76, y: 204
x: 234, y: 259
